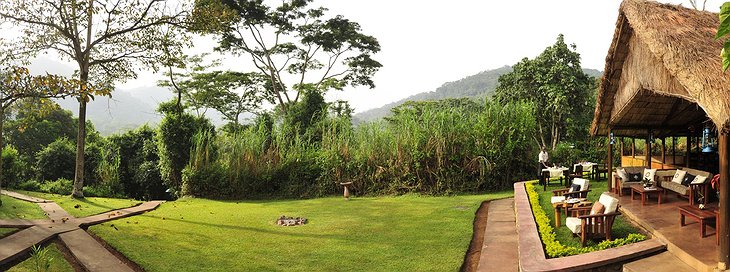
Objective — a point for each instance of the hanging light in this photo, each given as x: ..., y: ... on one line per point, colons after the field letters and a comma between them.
x: 707, y: 140
x: 612, y: 139
x: 651, y: 136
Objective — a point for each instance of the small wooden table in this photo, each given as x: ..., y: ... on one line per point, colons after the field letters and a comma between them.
x: 639, y: 189
x: 701, y: 216
x: 565, y: 206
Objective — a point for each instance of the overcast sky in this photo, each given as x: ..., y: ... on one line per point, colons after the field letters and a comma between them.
x: 427, y: 43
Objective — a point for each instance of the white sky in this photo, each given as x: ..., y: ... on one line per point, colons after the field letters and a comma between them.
x: 426, y: 43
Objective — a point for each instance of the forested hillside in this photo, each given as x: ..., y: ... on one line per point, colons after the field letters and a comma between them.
x: 478, y: 86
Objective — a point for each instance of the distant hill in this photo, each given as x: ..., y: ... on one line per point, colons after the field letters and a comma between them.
x: 123, y: 112
x: 476, y: 86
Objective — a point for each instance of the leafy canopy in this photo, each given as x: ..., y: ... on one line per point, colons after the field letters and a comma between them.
x: 294, y: 46
x: 555, y: 83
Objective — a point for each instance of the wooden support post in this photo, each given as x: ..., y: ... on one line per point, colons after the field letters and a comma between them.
x: 664, y: 158
x: 689, y: 150
x: 633, y: 147
x: 724, y: 228
x: 622, y: 146
x: 648, y: 152
x: 609, y: 163
x: 674, y: 150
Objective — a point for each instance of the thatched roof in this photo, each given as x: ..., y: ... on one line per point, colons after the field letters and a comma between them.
x: 663, y: 71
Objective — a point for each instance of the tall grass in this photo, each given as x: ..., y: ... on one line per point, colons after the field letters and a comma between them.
x: 429, y: 150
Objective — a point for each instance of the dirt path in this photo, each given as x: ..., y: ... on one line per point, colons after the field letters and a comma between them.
x: 471, y: 259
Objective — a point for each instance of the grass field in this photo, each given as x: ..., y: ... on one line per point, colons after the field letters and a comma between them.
x: 621, y: 227
x: 407, y: 233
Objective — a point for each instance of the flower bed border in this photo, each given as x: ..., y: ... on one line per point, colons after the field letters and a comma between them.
x: 532, y: 253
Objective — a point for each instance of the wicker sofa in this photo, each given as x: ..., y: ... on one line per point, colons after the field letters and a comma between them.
x: 626, y: 184
x: 665, y: 180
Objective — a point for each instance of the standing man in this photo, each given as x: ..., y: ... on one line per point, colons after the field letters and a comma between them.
x: 542, y: 159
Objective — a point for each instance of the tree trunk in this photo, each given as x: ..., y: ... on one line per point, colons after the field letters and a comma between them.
x: 78, y: 190
x: 2, y: 146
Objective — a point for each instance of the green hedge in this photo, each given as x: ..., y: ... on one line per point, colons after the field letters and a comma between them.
x: 553, y: 247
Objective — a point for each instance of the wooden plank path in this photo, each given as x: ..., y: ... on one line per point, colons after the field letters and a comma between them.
x: 90, y: 253
x: 23, y: 197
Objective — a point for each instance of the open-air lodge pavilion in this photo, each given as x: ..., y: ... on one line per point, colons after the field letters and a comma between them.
x: 663, y: 82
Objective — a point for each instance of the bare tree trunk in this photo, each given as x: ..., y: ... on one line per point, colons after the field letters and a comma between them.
x: 2, y: 146
x: 80, y: 144
x: 78, y: 190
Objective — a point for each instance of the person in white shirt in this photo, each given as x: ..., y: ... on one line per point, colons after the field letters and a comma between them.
x: 542, y: 160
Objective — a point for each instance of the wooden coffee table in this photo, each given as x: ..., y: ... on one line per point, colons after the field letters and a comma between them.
x: 701, y: 216
x: 564, y: 206
x: 644, y: 192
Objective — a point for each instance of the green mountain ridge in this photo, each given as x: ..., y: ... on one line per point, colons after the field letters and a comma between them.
x: 479, y: 85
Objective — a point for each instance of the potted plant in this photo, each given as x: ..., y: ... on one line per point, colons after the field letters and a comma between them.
x: 647, y: 183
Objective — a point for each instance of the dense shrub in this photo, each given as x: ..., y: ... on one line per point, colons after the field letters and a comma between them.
x: 60, y: 186
x: 57, y: 160
x: 174, y: 140
x: 129, y: 165
x: 12, y: 166
x: 30, y: 185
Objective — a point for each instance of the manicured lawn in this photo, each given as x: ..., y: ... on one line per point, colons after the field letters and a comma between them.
x: 407, y: 233
x: 86, y: 206
x: 621, y: 227
x: 17, y: 209
x: 58, y: 263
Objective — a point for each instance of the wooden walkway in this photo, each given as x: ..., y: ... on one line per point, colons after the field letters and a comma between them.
x: 89, y: 252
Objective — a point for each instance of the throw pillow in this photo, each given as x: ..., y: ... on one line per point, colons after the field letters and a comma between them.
x: 649, y: 174
x: 622, y: 174
x: 597, y: 208
x: 688, y: 178
x: 699, y: 180
x: 679, y: 176
x: 634, y: 177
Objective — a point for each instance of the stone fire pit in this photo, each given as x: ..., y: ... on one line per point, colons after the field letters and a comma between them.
x: 290, y: 221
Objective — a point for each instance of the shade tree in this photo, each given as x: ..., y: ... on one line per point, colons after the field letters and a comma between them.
x: 295, y: 46
x: 108, y: 40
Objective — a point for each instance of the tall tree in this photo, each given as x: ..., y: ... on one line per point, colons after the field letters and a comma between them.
x: 293, y: 45
x: 230, y: 93
x: 555, y: 83
x: 16, y: 84
x: 107, y: 39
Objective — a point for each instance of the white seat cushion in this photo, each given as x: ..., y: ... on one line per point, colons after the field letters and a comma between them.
x: 573, y: 224
x: 609, y: 202
x: 557, y: 199
x: 582, y: 182
x: 679, y: 176
x: 649, y: 174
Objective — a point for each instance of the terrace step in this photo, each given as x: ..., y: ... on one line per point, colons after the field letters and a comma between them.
x: 664, y: 261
